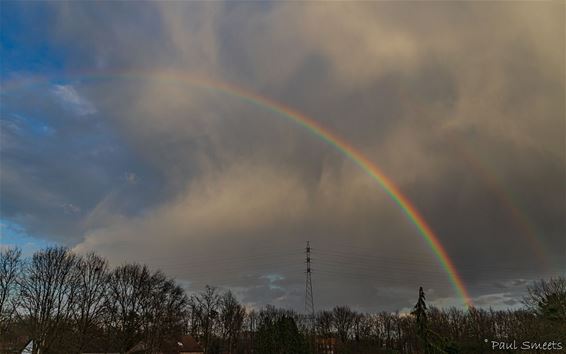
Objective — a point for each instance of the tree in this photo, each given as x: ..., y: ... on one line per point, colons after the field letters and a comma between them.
x: 47, y: 296
x: 204, y: 314
x: 250, y: 325
x: 343, y: 318
x: 144, y: 307
x: 164, y: 312
x: 385, y: 327
x: 128, y: 291
x: 324, y: 322
x: 231, y: 319
x: 89, y: 308
x: 362, y: 326
x: 420, y: 312
x: 10, y: 267
x: 278, y: 333
x: 547, y: 298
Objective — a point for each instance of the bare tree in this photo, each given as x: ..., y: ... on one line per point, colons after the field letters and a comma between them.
x: 251, y: 325
x: 10, y: 267
x: 128, y: 291
x: 324, y: 323
x: 92, y: 284
x: 164, y: 312
x: 204, y: 308
x: 231, y: 319
x: 47, y: 296
x: 362, y: 326
x: 343, y: 321
x: 385, y: 329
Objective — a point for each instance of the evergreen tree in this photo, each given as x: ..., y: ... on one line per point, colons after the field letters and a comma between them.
x: 420, y: 312
x: 547, y: 298
x: 278, y: 334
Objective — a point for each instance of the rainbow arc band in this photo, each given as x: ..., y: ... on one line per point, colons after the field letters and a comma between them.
x: 314, y: 127
x: 490, y: 178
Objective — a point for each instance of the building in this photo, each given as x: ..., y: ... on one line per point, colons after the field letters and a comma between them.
x: 18, y: 345
x: 100, y: 347
x: 100, y: 350
x: 184, y: 345
x: 325, y: 345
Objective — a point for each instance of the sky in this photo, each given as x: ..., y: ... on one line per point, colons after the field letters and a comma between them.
x: 110, y: 142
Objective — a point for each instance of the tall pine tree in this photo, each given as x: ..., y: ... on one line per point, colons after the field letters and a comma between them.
x: 420, y: 312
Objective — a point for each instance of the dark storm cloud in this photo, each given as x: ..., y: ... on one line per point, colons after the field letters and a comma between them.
x: 216, y: 176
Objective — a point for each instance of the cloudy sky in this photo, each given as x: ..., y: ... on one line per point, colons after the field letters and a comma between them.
x: 107, y: 146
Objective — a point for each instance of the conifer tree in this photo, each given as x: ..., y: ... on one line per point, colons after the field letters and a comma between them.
x: 420, y: 312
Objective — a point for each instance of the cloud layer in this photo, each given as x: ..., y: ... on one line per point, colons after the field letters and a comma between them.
x: 213, y: 189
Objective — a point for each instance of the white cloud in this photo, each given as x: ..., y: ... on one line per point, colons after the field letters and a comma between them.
x: 70, y: 208
x: 70, y: 99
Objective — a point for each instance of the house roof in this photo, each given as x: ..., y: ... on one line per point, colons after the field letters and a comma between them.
x: 15, y: 345
x: 184, y: 344
x: 96, y: 347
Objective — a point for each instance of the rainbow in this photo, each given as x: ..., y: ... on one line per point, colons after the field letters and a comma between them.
x: 521, y: 221
x: 489, y: 177
x: 341, y: 145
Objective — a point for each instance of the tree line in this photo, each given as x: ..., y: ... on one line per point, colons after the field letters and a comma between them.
x: 69, y: 303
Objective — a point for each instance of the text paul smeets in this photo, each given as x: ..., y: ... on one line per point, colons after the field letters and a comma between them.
x: 526, y: 345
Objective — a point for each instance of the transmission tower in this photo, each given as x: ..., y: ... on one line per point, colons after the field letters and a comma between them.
x: 309, y: 302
